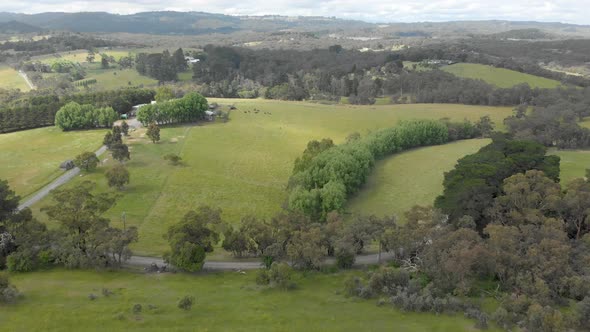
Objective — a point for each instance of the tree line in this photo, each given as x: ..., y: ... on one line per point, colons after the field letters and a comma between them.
x: 75, y: 116
x: 326, y: 174
x: 191, y: 107
x: 30, y: 110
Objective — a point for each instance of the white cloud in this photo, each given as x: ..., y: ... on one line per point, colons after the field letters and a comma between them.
x: 570, y: 11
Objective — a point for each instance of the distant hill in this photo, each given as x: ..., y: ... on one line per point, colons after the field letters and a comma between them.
x: 522, y: 34
x: 175, y: 22
x: 15, y: 27
x: 195, y: 23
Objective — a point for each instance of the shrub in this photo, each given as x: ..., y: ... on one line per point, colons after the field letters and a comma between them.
x: 92, y: 297
x: 262, y: 277
x: 186, y: 303
x: 106, y: 292
x: 281, y: 275
x: 136, y: 308
x: 173, y: 159
x: 8, y: 293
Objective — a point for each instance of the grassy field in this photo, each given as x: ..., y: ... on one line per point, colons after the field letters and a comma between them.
x: 242, y: 166
x: 10, y: 79
x: 503, y: 78
x: 573, y: 164
x: 58, y: 301
x: 30, y: 159
x: 410, y: 178
x: 107, y: 79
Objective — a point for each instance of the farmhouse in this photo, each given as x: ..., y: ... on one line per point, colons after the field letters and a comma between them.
x: 191, y: 60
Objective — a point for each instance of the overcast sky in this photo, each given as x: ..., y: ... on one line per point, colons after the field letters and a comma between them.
x: 569, y: 11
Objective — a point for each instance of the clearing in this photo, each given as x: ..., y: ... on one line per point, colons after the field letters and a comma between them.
x: 58, y: 300
x: 10, y: 79
x: 500, y: 77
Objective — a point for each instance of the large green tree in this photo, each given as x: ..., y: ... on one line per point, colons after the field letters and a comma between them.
x: 195, y: 235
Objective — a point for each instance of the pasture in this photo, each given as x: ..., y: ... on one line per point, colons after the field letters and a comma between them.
x: 242, y: 166
x: 10, y: 79
x: 107, y: 79
x: 58, y: 301
x: 410, y: 178
x: 500, y: 77
x: 573, y: 164
x: 30, y: 159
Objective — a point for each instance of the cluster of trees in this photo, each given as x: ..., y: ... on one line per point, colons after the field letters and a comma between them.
x: 504, y: 227
x: 326, y: 175
x: 83, y: 239
x: 287, y: 237
x: 56, y: 43
x: 161, y: 66
x: 553, y: 119
x: 75, y: 116
x: 477, y: 178
x: 189, y: 108
x: 21, y: 111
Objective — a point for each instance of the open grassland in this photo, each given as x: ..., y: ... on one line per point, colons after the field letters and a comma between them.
x: 58, y: 301
x: 500, y: 77
x: 30, y: 159
x: 114, y: 78
x: 573, y: 164
x: 410, y: 178
x: 10, y: 79
x: 243, y: 166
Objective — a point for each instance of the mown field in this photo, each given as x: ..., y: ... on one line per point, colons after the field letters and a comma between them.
x: 500, y: 77
x: 410, y: 178
x: 30, y: 159
x: 242, y: 166
x: 10, y: 79
x: 58, y: 301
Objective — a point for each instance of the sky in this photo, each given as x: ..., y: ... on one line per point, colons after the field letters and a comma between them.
x: 566, y: 11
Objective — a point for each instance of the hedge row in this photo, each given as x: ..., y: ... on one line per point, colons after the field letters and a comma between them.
x: 322, y: 183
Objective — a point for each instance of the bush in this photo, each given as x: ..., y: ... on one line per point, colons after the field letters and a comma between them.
x: 262, y: 277
x: 173, y: 159
x: 8, y: 293
x: 136, y: 308
x: 345, y: 259
x: 186, y: 303
x: 281, y: 275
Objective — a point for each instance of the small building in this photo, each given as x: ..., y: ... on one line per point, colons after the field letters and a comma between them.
x: 191, y: 60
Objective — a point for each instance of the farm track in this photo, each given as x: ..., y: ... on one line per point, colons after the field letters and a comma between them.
x: 26, y: 78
